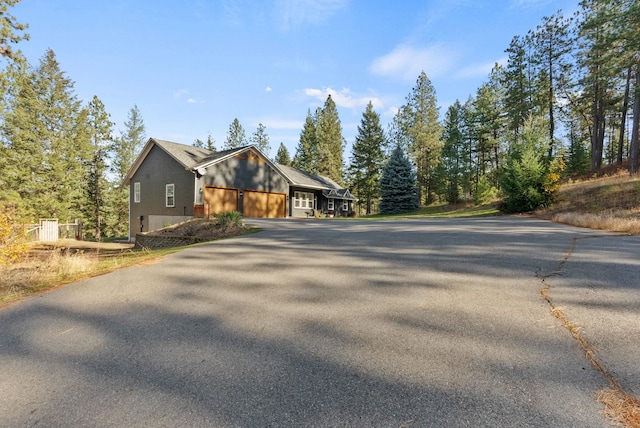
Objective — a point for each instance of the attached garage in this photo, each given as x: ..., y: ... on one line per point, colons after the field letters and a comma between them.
x: 264, y: 204
x: 220, y: 199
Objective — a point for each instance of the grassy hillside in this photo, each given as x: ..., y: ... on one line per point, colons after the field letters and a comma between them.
x: 607, y: 203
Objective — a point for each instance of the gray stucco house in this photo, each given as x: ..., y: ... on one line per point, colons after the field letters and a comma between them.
x: 172, y: 182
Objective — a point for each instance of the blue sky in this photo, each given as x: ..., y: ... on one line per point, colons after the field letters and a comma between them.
x: 192, y: 66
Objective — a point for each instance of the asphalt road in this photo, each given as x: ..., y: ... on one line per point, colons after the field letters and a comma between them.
x: 329, y: 323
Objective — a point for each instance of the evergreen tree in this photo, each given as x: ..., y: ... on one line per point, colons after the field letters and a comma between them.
x: 530, y: 180
x: 306, y: 155
x: 489, y: 125
x: 519, y: 86
x: 330, y: 142
x: 450, y: 170
x: 128, y: 146
x: 236, y: 137
x: 283, y: 157
x: 97, y: 186
x: 11, y: 31
x: 124, y: 152
x: 595, y: 58
x: 210, y: 144
x: 398, y: 185
x: 261, y: 139
x: 46, y: 141
x: 421, y: 126
x: 367, y: 157
x: 22, y: 153
x: 553, y: 45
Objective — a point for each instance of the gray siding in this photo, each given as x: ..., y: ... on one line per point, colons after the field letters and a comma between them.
x: 302, y: 212
x: 245, y: 175
x: 157, y: 170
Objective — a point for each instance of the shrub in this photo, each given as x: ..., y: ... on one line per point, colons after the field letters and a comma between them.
x: 528, y: 183
x: 229, y: 218
x: 13, y: 244
x: 484, y: 192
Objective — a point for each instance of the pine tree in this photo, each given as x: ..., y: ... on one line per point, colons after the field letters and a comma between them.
x: 124, y: 152
x: 306, y: 154
x: 595, y: 58
x: 421, y: 126
x: 47, y: 142
x: 451, y: 168
x: 552, y: 46
x: 22, y: 153
x: 367, y: 157
x: 283, y: 157
x: 97, y: 185
x: 261, y: 139
x: 330, y: 142
x: 236, y: 136
x: 11, y: 31
x: 210, y: 144
x: 519, y: 86
x: 398, y: 185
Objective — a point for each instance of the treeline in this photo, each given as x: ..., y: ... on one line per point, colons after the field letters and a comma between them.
x: 566, y: 103
x: 58, y: 157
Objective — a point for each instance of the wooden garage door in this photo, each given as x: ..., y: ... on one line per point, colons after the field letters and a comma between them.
x: 263, y: 204
x: 221, y: 199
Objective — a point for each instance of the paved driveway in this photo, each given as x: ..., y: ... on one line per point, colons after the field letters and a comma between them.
x: 330, y: 323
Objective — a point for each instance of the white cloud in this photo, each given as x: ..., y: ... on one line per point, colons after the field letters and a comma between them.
x: 344, y: 98
x: 270, y: 123
x: 479, y: 70
x: 297, y: 13
x: 528, y: 4
x: 268, y: 89
x: 180, y: 92
x: 407, y: 62
x: 192, y: 101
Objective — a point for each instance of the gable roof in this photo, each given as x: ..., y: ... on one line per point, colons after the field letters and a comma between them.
x: 298, y: 177
x: 187, y: 156
x: 195, y: 158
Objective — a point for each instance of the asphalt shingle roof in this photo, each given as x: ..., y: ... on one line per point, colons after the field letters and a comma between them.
x: 193, y: 157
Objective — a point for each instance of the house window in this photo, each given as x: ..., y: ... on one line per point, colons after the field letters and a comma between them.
x: 170, y: 195
x: 345, y: 205
x: 330, y: 205
x: 136, y: 191
x: 303, y: 200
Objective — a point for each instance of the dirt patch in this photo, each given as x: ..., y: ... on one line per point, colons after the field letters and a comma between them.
x: 202, y: 229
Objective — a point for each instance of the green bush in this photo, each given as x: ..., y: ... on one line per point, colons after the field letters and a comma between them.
x: 229, y: 218
x: 529, y: 183
x: 484, y: 192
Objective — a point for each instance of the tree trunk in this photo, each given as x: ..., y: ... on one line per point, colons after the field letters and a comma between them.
x: 597, y: 137
x: 623, y: 119
x: 633, y: 149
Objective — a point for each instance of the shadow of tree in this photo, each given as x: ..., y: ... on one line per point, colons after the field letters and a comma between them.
x: 327, y: 324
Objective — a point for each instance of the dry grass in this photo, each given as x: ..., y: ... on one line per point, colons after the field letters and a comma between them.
x: 37, y: 272
x: 52, y: 265
x: 621, y: 408
x: 607, y: 203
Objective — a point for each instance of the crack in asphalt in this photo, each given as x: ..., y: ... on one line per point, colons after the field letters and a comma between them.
x: 621, y: 405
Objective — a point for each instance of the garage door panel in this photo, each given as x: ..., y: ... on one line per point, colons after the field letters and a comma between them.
x: 263, y: 204
x: 221, y: 199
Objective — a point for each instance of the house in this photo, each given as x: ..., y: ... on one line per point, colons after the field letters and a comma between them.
x: 171, y: 182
